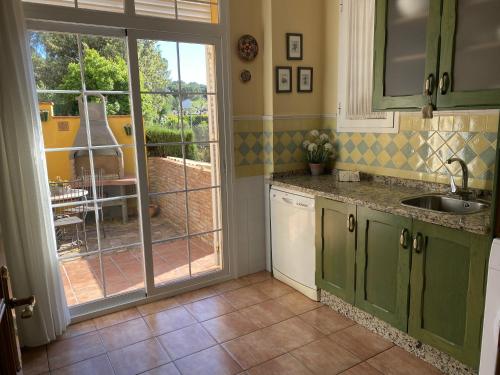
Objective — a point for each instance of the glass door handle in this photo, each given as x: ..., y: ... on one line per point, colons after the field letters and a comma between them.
x: 28, y: 302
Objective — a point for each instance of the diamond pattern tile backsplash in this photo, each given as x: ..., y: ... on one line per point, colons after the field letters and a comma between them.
x: 418, y: 151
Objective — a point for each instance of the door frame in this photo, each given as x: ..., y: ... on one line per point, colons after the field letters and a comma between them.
x: 42, y: 17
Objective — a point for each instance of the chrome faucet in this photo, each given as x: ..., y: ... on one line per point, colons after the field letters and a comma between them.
x: 465, y: 178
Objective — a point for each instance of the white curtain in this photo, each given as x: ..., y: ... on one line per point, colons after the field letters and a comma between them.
x: 25, y: 213
x: 361, y: 16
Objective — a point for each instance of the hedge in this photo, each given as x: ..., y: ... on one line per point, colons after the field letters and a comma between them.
x: 160, y: 134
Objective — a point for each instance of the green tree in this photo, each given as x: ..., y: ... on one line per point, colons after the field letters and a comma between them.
x: 101, y: 73
x: 56, y: 64
x: 155, y: 77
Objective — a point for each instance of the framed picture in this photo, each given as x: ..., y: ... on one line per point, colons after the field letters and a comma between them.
x: 293, y: 46
x: 283, y: 79
x: 304, y: 79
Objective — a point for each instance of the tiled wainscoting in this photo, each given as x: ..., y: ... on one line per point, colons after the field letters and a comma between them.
x: 418, y: 151
x: 254, y: 325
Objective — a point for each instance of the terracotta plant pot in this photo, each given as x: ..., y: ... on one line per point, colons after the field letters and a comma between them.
x: 317, y: 169
x: 154, y: 210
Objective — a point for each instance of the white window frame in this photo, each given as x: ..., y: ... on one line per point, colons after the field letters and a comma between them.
x: 390, y: 124
x: 86, y: 21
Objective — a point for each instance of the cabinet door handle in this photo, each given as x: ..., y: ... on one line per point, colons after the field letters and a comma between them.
x: 444, y: 83
x: 351, y: 222
x: 403, y: 238
x: 417, y: 243
x: 429, y: 85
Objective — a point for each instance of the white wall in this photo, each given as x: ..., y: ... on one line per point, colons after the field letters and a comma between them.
x: 250, y: 214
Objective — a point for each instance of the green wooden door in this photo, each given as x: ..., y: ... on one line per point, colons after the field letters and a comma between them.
x: 406, y: 49
x: 335, y: 247
x: 383, y: 265
x: 447, y: 290
x: 470, y: 55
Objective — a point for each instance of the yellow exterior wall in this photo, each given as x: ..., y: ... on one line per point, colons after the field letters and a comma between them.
x: 59, y: 163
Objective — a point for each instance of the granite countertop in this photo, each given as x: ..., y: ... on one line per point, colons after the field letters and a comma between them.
x: 383, y: 197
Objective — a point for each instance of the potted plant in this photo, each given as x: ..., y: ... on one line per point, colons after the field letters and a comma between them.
x: 318, y: 149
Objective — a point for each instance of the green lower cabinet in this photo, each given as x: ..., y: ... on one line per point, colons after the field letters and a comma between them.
x: 383, y: 266
x: 447, y: 290
x: 335, y: 247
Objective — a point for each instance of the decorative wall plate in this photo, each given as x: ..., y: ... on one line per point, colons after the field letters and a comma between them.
x: 245, y: 75
x: 247, y: 47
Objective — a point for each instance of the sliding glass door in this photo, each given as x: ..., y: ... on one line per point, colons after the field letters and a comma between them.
x: 134, y: 150
x: 176, y: 112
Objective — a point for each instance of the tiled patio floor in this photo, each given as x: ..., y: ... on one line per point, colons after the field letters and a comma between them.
x: 123, y: 268
x: 254, y: 325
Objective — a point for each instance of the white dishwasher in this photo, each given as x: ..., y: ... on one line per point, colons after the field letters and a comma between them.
x: 292, y: 240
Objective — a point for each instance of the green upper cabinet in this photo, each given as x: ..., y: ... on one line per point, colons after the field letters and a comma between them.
x: 383, y: 265
x: 335, y: 247
x: 406, y: 53
x: 470, y: 54
x: 447, y: 290
x: 449, y: 49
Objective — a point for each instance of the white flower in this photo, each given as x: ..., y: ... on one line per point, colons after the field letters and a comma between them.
x: 328, y: 146
x: 314, y: 133
x: 312, y: 147
x: 306, y: 144
x: 324, y: 137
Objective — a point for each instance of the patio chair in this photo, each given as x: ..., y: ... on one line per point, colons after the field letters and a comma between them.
x: 69, y: 213
x: 91, y: 205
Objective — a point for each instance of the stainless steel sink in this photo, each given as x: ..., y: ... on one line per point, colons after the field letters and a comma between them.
x: 444, y: 203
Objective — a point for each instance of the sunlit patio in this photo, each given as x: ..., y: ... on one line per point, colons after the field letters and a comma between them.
x: 123, y: 268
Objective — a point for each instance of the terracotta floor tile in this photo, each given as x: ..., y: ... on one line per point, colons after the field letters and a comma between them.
x: 256, y: 277
x: 157, y: 306
x: 35, y: 360
x: 273, y: 288
x: 253, y: 349
x: 292, y: 333
x: 79, y: 329
x: 168, y: 369
x: 116, y: 317
x: 283, y: 365
x: 195, y: 295
x: 93, y: 366
x: 139, y: 357
x: 124, y: 334
x: 396, y: 361
x: 362, y: 369
x: 230, y: 326
x: 169, y: 320
x: 66, y: 352
x: 266, y: 313
x: 325, y: 357
x: 326, y: 320
x: 360, y: 341
x: 209, y: 308
x: 244, y: 297
x: 186, y: 341
x: 298, y: 303
x: 230, y: 285
x: 212, y: 361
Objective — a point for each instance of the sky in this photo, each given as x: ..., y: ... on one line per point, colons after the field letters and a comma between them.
x: 192, y: 61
